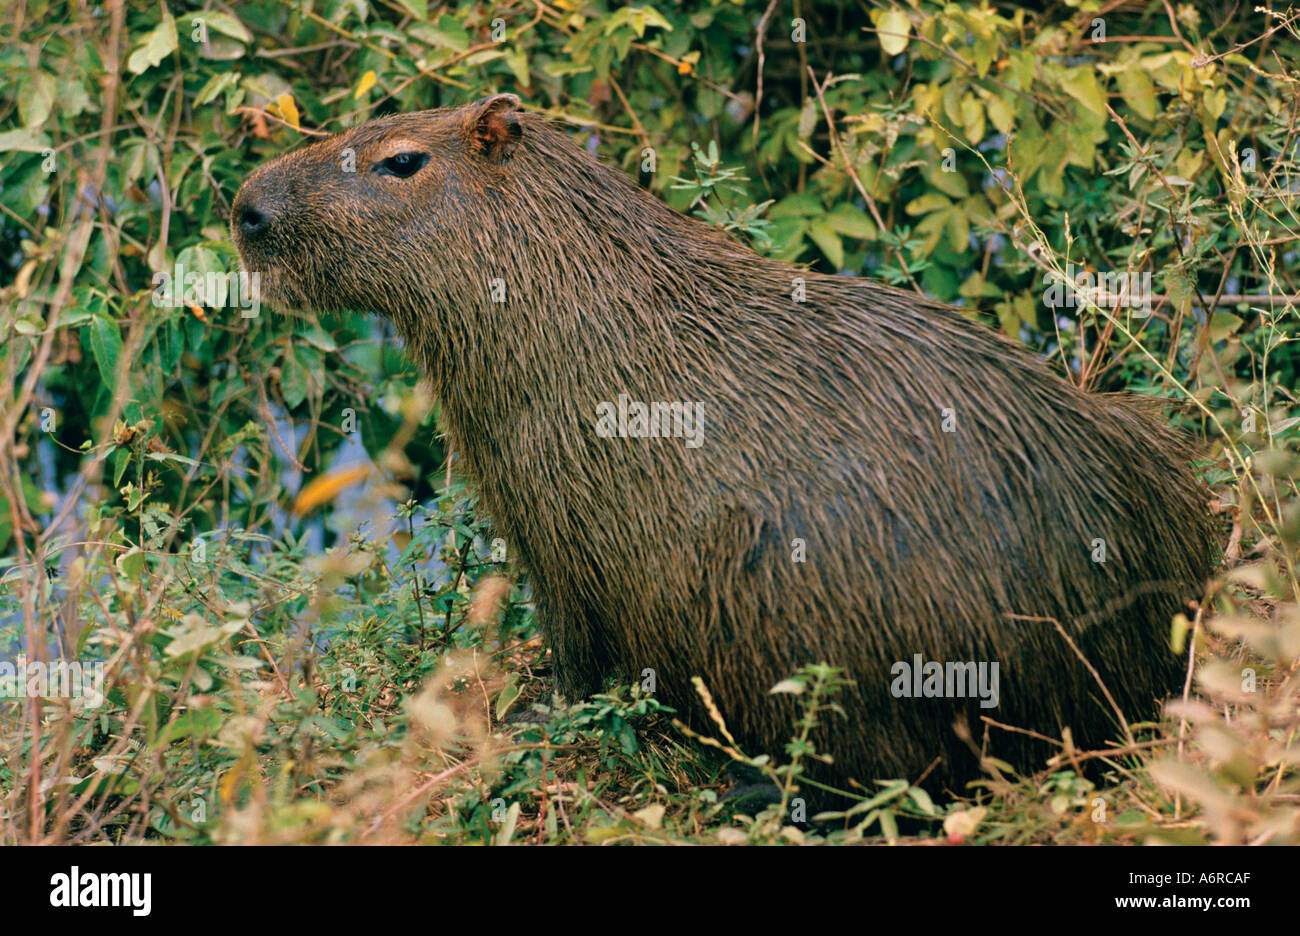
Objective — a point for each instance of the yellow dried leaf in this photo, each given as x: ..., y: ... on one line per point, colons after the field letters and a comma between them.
x: 229, y: 783
x: 288, y: 110
x: 365, y: 84
x: 324, y: 489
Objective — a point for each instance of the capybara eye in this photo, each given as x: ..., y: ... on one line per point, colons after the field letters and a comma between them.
x: 402, y: 165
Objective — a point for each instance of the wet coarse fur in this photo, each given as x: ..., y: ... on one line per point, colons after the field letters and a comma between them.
x: 879, y: 477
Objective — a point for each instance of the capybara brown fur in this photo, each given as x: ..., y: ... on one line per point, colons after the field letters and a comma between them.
x: 864, y: 477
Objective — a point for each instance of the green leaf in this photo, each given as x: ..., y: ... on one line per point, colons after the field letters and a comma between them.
x: 972, y: 118
x: 802, y: 205
x: 131, y: 563
x: 851, y: 221
x: 1216, y: 102
x: 293, y: 381
x: 507, y: 696
x: 563, y: 69
x: 417, y: 8
x: 35, y: 99
x: 214, y: 86
x: 798, y: 152
x: 638, y: 18
x: 160, y: 43
x: 72, y: 97
x: 789, y: 233
x: 930, y: 201
x: 171, y: 456
x: 200, y: 722
x: 121, y: 458
x: 950, y: 183
x: 1139, y: 91
x: 654, y: 18
x: 829, y: 242
x: 105, y: 346
x: 892, y: 30
x: 922, y: 800
x: 1024, y: 65
x: 447, y: 34
x: 952, y: 99
x: 1026, y: 149
x: 194, y: 635
x: 73, y: 316
x: 517, y: 61
x: 932, y: 226
x: 1000, y: 113
x: 958, y: 230
x: 24, y: 140
x: 316, y: 336
x: 299, y: 372
x: 626, y: 737
x: 223, y: 23
x: 1223, y: 325
x: 480, y: 58
x: 983, y: 52
x: 1079, y: 148
x: 1081, y: 84
x: 888, y: 826
x: 200, y: 261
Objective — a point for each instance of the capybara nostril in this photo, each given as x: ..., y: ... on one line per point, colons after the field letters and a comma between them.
x: 253, y: 223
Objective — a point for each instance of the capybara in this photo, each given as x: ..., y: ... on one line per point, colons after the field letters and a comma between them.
x: 840, y: 472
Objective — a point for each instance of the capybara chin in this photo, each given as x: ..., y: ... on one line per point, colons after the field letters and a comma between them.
x: 850, y: 474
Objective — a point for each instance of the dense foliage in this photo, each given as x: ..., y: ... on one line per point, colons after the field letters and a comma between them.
x: 251, y: 521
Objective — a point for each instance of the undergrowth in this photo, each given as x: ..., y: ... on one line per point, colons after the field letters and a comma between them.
x: 307, y: 632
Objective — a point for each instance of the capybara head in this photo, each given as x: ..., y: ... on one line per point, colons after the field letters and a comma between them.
x: 877, y: 482
x: 441, y: 219
x: 365, y: 219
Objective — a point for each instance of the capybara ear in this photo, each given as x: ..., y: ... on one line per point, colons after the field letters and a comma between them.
x: 495, y: 125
